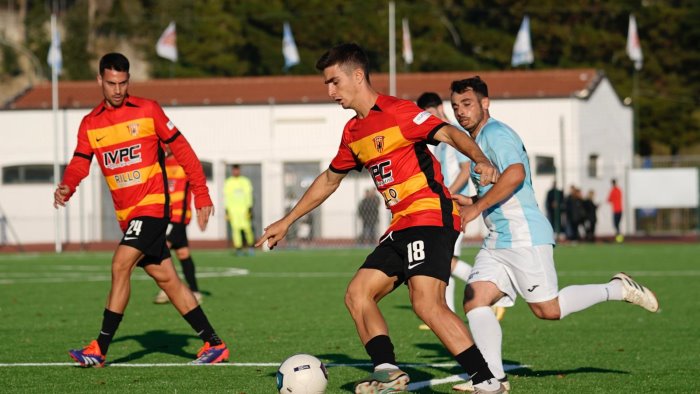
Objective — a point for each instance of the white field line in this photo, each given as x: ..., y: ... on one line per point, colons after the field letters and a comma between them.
x: 78, y: 273
x: 454, y: 378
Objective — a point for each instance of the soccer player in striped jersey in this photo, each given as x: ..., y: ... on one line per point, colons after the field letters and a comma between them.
x: 180, y: 216
x: 124, y: 134
x: 389, y: 137
x: 517, y: 253
x: 455, y: 172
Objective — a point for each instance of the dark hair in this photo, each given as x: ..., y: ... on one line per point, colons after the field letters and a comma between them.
x: 235, y: 167
x: 348, y: 54
x: 474, y: 83
x: 429, y: 100
x: 114, y: 61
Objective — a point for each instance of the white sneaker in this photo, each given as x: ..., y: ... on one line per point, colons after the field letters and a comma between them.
x: 161, y: 298
x: 637, y: 294
x: 468, y: 386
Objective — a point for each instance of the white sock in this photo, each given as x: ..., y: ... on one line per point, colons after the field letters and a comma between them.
x: 577, y: 298
x: 450, y: 294
x: 488, y: 338
x: 462, y: 270
x: 385, y: 366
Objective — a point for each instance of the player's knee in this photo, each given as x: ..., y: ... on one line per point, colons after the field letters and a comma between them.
x: 425, y: 307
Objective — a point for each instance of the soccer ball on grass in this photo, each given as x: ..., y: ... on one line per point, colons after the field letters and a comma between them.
x: 302, y: 374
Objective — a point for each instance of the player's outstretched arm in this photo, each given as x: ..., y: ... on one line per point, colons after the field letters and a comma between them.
x: 465, y: 144
x: 323, y: 186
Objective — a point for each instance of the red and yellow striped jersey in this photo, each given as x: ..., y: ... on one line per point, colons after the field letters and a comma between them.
x: 180, y: 194
x: 391, y: 142
x: 127, y: 144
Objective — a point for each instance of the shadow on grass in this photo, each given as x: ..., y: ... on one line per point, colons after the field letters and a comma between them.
x: 158, y: 341
x: 527, y: 372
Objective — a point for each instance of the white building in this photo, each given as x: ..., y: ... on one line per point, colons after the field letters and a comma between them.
x: 284, y: 131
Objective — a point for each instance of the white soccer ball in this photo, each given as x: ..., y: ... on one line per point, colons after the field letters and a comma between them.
x: 302, y: 374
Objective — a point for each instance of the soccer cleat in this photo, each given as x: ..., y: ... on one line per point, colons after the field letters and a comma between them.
x: 383, y: 381
x: 468, y: 386
x: 198, y: 296
x: 161, y: 298
x: 424, y: 327
x: 500, y: 390
x: 208, y: 354
x: 89, y: 356
x: 637, y: 294
x: 499, y: 311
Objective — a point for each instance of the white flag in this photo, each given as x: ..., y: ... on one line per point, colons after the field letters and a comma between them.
x: 522, y: 49
x: 54, y: 57
x: 167, y: 43
x: 634, y: 49
x: 289, y: 47
x: 407, y: 48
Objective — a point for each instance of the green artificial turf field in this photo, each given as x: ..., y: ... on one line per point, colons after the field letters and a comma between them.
x: 273, y: 305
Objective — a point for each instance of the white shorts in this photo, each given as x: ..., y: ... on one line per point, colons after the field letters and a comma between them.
x: 458, y: 245
x: 527, y: 271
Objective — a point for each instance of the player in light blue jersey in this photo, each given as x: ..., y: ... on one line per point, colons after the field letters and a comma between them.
x: 517, y: 254
x: 455, y: 169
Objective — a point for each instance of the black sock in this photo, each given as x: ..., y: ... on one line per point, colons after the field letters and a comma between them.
x: 188, y: 270
x: 110, y: 323
x: 381, y: 350
x: 474, y: 364
x: 199, y: 322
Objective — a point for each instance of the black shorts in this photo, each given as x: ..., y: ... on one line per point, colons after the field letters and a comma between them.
x: 147, y: 234
x: 423, y: 250
x: 177, y: 235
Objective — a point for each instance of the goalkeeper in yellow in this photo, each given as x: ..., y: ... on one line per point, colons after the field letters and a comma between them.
x: 238, y: 196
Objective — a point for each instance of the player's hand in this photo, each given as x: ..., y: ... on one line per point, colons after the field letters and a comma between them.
x: 489, y: 173
x: 462, y: 200
x: 467, y: 213
x: 203, y: 215
x: 273, y: 234
x: 60, y: 195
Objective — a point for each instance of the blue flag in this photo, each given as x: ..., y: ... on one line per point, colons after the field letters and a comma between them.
x: 289, y: 47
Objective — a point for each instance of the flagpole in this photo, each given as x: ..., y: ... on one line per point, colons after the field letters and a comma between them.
x: 635, y: 113
x: 54, y: 105
x: 392, y: 49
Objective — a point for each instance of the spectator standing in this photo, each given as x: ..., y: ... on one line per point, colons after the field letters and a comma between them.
x: 615, y: 199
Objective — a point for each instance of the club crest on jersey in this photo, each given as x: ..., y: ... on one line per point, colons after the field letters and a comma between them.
x: 379, y: 143
x: 133, y: 129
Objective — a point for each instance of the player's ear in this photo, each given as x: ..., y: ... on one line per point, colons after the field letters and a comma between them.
x: 358, y: 74
x: 99, y: 79
x: 485, y: 102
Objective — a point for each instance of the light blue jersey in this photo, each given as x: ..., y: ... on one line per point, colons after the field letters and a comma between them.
x: 450, y: 160
x: 516, y: 222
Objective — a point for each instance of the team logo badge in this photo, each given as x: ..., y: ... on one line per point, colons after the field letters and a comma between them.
x: 379, y: 143
x: 133, y: 129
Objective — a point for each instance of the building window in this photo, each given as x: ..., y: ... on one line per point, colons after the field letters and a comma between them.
x: 593, y: 165
x: 29, y: 173
x: 208, y: 168
x: 544, y: 165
